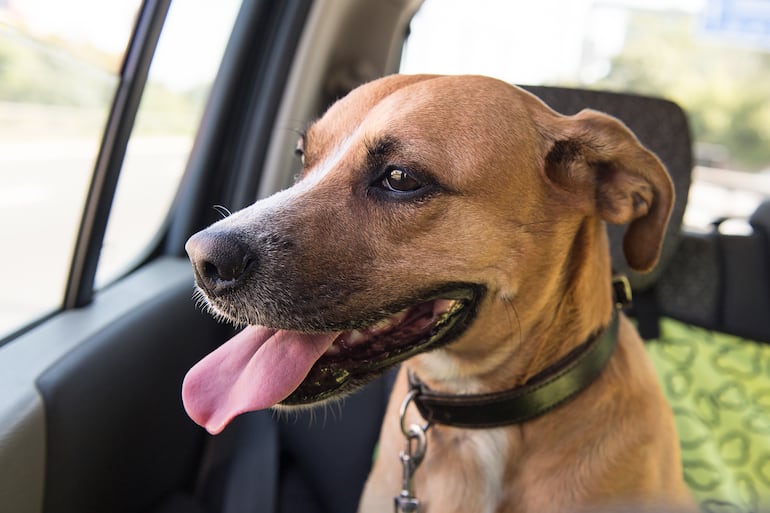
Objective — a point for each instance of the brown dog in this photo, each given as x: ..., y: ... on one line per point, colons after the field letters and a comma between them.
x: 457, y: 224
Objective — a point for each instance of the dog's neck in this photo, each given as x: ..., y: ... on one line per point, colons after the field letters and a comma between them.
x: 554, y: 386
x: 552, y: 311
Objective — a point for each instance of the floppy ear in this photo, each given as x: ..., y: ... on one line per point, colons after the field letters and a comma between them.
x: 595, y: 157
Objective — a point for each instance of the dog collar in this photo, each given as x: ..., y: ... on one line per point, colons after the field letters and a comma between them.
x: 544, y: 392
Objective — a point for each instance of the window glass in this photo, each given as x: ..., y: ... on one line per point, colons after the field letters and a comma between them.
x: 712, y: 57
x: 58, y: 74
x: 183, y: 69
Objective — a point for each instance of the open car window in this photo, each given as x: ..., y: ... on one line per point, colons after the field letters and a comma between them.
x: 712, y: 57
x: 60, y: 75
x: 59, y: 71
x: 182, y: 72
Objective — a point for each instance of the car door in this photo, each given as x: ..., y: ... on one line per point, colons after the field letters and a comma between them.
x: 90, y: 411
x: 90, y: 415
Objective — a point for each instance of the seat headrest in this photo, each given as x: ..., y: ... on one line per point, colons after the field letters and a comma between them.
x: 662, y: 127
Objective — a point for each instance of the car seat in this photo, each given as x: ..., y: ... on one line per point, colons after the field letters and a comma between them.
x: 708, y: 290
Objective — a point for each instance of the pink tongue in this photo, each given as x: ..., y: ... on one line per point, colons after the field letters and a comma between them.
x: 255, y: 369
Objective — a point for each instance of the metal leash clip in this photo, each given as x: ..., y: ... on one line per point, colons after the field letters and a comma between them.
x: 411, y: 457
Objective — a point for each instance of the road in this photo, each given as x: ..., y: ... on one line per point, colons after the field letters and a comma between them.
x: 42, y: 191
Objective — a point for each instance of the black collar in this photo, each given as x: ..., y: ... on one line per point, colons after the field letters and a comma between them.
x: 552, y: 387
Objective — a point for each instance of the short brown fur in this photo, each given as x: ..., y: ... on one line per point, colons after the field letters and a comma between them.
x: 546, y: 262
x: 520, y: 207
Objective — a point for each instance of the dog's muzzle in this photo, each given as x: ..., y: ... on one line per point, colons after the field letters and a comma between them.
x: 292, y: 363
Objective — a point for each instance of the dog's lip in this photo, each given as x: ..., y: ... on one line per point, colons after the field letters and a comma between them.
x: 357, y: 356
x: 418, y: 317
x: 261, y: 367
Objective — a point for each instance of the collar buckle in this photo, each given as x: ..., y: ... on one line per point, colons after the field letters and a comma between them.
x: 621, y: 289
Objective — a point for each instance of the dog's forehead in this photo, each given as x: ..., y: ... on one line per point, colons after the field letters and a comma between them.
x: 400, y: 95
x: 348, y: 112
x: 419, y: 106
x: 460, y: 129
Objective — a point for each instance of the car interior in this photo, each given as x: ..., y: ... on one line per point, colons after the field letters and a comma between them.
x: 91, y: 418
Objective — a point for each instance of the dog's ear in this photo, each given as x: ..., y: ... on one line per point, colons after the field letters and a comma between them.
x: 605, y: 169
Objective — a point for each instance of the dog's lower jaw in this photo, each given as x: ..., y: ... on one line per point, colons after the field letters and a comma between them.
x: 492, y: 356
x: 358, y: 356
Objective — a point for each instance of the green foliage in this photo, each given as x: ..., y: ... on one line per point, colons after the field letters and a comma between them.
x: 724, y: 89
x: 35, y: 74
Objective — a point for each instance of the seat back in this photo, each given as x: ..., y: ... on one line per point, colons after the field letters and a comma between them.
x: 662, y: 127
x: 716, y: 281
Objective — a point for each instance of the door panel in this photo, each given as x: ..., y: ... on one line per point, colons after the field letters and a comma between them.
x: 90, y: 408
x: 113, y: 404
x: 102, y: 427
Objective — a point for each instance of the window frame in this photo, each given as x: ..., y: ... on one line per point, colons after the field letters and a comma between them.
x: 134, y: 319
x: 240, y: 109
x: 79, y: 290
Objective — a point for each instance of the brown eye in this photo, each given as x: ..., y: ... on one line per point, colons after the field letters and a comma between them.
x: 399, y: 180
x: 300, y: 153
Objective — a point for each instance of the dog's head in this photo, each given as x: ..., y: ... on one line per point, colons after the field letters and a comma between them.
x: 423, y: 202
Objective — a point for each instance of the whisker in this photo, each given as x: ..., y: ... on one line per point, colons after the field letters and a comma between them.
x: 222, y: 211
x: 335, y: 408
x: 286, y: 415
x: 301, y: 132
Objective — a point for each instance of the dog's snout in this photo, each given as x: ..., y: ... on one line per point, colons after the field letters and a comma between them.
x: 219, y: 259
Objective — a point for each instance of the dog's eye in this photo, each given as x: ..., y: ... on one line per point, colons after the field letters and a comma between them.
x: 299, y: 152
x: 399, y: 180
x: 299, y: 149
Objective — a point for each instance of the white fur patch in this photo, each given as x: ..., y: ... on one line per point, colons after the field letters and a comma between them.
x: 492, y: 449
x: 470, y: 476
x: 276, y: 201
x: 327, y: 165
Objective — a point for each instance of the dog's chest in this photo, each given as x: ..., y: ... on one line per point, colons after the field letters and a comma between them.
x: 464, y: 470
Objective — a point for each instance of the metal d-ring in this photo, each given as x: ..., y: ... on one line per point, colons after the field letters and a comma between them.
x: 411, y: 457
x: 409, y: 432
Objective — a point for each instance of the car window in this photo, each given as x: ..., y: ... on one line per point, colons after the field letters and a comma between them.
x: 186, y: 60
x: 58, y: 74
x: 712, y: 57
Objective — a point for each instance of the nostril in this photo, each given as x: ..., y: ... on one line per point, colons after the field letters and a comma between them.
x: 226, y: 271
x: 210, y: 271
x: 219, y: 259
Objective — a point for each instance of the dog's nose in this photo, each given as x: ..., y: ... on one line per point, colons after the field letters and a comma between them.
x: 219, y: 259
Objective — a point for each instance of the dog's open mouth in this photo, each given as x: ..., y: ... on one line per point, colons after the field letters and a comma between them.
x: 261, y: 367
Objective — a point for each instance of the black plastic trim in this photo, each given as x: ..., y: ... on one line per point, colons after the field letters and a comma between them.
x: 80, y: 284
x: 239, y: 117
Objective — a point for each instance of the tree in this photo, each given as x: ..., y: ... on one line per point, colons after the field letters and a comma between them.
x: 724, y: 90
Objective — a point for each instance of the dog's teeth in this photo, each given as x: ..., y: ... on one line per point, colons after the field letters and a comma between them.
x: 382, y: 325
x: 333, y: 350
x: 397, y: 318
x: 443, y: 306
x: 355, y: 336
x: 388, y: 323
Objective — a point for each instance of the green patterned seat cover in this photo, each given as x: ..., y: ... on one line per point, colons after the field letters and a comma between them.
x: 719, y: 388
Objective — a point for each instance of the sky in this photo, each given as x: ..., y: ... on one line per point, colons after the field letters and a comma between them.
x: 188, y: 53
x: 551, y: 33
x: 448, y: 36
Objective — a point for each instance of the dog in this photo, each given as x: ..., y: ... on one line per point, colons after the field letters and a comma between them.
x: 454, y: 225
